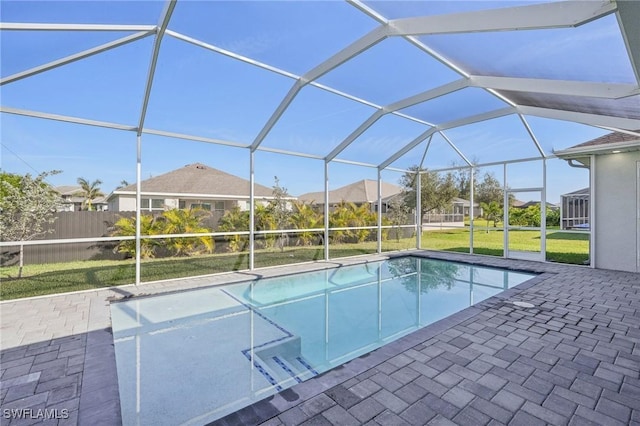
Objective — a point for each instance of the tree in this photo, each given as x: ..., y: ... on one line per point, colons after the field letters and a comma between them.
x: 186, y: 221
x: 235, y: 220
x: 9, y: 179
x: 463, y: 178
x: 264, y: 221
x: 553, y: 217
x: 437, y: 190
x: 398, y: 213
x: 123, y: 183
x: 280, y: 211
x: 27, y: 206
x: 126, y: 226
x: 304, y: 216
x: 489, y: 190
x: 90, y: 190
x: 174, y: 221
x: 491, y: 212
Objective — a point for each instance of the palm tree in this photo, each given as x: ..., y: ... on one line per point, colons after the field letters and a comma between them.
x: 306, y: 217
x: 126, y: 226
x: 491, y: 212
x: 235, y: 220
x: 181, y: 221
x: 265, y: 221
x: 90, y: 191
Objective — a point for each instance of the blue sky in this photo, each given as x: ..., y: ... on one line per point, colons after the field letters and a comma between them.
x: 199, y: 92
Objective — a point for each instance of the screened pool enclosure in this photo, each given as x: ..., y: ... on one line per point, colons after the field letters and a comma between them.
x: 321, y: 95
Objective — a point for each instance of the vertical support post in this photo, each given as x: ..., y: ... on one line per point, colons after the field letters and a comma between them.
x: 471, y: 210
x: 138, y: 204
x: 138, y: 364
x: 326, y: 210
x: 419, y: 291
x: 562, y: 213
x: 419, y: 208
x: 505, y: 215
x: 379, y: 239
x: 252, y: 339
x: 592, y: 211
x: 252, y: 210
x: 470, y: 285
x: 326, y: 315
x: 379, y: 302
x: 543, y: 212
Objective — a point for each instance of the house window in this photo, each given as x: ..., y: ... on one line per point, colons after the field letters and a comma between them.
x: 182, y: 204
x: 156, y: 204
x: 219, y: 206
x: 203, y: 206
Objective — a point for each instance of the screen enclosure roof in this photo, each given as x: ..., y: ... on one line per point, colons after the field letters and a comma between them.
x: 384, y: 84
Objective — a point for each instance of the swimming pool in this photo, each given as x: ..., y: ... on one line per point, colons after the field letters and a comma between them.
x: 196, y: 356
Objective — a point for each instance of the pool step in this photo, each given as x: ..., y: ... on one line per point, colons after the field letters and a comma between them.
x: 285, y: 369
x: 282, y: 364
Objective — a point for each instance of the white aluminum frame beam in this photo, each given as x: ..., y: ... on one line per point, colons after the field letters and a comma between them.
x: 125, y: 127
x: 365, y: 42
x: 66, y: 118
x: 162, y: 26
x: 493, y: 163
x: 532, y: 135
x: 551, y: 15
x: 445, y: 126
x: 556, y: 87
x: 628, y: 16
x: 408, y: 147
x: 455, y: 148
x: 75, y: 57
x: 565, y: 14
x: 420, y: 45
x: 192, y: 138
x: 581, y: 117
x: 33, y: 26
x: 281, y: 72
x: 404, y: 103
x: 163, y: 133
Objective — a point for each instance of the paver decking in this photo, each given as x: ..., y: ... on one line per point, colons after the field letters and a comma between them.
x: 574, y: 358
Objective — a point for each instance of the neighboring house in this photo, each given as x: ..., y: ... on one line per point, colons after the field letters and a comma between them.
x: 194, y: 185
x: 614, y: 163
x: 517, y: 203
x: 100, y: 204
x: 463, y: 207
x: 574, y: 209
x: 459, y: 209
x: 72, y: 198
x: 362, y: 192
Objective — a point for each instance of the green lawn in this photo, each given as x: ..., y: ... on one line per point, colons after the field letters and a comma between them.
x: 563, y: 247
x: 72, y: 276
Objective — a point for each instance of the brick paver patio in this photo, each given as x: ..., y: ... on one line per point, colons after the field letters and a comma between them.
x: 574, y: 358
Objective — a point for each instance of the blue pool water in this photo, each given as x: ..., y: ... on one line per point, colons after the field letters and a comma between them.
x: 193, y: 357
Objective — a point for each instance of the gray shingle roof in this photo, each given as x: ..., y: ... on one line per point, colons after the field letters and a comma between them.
x: 363, y: 191
x: 609, y: 138
x: 68, y: 190
x: 602, y: 145
x: 198, y: 178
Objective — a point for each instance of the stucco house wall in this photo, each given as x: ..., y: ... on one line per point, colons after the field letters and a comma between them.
x: 617, y: 216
